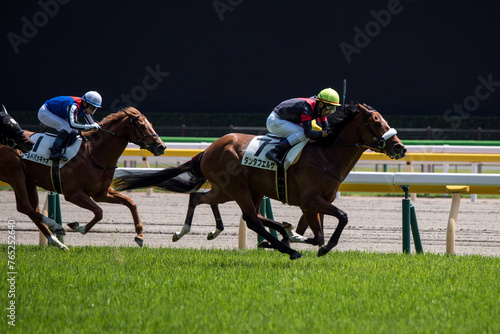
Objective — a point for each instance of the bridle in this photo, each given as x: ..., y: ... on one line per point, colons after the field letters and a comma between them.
x: 380, y: 142
x: 137, y: 131
x: 378, y: 146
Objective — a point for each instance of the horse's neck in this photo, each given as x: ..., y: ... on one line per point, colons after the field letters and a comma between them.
x: 342, y: 153
x: 112, y: 147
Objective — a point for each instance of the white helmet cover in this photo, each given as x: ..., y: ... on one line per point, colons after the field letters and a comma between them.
x: 93, y: 97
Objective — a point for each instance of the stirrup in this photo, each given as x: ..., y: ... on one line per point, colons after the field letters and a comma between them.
x: 273, y: 155
x: 57, y: 155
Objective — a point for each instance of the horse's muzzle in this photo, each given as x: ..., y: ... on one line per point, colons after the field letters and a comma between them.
x: 158, y: 148
x: 399, y: 151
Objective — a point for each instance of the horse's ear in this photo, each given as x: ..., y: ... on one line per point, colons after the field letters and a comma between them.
x: 363, y: 108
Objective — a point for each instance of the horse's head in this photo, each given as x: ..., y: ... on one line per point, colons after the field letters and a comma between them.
x: 141, y: 132
x: 11, y: 133
x: 377, y: 135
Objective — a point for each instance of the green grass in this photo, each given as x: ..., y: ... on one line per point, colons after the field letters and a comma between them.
x: 163, y: 290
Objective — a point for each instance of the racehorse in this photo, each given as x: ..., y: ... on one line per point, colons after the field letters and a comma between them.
x: 86, y: 177
x: 11, y: 133
x: 312, y: 182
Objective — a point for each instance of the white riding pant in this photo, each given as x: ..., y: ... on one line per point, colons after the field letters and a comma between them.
x: 53, y: 121
x: 294, y: 133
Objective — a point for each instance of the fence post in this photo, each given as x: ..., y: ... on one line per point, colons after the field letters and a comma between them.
x: 452, y: 219
x: 406, y: 221
x: 414, y: 230
x: 55, y: 211
x: 242, y: 234
x: 267, y: 211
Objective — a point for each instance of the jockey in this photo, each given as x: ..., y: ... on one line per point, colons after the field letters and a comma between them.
x: 291, y: 119
x: 61, y: 113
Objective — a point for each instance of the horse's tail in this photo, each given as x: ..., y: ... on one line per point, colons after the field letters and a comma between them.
x: 168, y: 179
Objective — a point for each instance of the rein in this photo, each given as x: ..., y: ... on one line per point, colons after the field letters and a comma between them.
x: 142, y: 143
x: 380, y: 141
x: 92, y: 158
x: 341, y: 179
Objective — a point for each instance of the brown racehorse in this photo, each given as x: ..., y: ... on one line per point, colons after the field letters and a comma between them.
x: 85, y: 178
x: 11, y: 133
x: 312, y: 182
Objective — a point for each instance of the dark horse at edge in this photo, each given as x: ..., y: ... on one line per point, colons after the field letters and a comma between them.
x: 11, y: 133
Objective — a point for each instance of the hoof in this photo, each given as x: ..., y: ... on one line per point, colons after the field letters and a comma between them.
x: 139, y: 241
x: 73, y: 225
x: 176, y: 237
x: 322, y: 251
x: 64, y: 248
x: 264, y: 244
x: 77, y: 228
x: 214, y: 234
x: 60, y: 231
x: 295, y: 255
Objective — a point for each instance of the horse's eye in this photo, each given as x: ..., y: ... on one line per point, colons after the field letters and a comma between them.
x: 378, y: 124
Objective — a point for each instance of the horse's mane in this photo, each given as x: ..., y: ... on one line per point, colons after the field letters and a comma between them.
x: 338, y: 120
x: 119, y: 115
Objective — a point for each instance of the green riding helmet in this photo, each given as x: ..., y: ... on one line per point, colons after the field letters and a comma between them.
x: 329, y: 96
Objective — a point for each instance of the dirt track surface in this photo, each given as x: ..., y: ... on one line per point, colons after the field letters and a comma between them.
x: 375, y: 224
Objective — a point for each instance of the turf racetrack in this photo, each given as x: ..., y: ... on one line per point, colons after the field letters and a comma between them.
x: 194, y: 289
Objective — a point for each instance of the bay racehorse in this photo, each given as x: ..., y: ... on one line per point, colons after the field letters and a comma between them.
x: 312, y: 182
x: 11, y: 133
x: 86, y: 178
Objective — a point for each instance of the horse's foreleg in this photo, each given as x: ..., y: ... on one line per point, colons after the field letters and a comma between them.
x: 284, y: 230
x: 330, y: 209
x: 82, y: 200
x: 334, y: 240
x: 113, y: 196
x: 314, y: 221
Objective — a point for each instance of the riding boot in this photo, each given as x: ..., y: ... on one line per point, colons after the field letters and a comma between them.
x: 277, y: 154
x: 58, y: 146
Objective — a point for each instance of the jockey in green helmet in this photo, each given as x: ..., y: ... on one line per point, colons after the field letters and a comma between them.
x: 292, y: 120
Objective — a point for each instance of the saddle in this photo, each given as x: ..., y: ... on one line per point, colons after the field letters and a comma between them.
x: 41, y: 152
x: 255, y: 156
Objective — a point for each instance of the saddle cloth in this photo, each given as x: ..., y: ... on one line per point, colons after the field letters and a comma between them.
x: 41, y: 150
x: 255, y: 154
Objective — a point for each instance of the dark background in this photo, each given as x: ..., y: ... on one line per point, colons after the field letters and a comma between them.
x: 251, y: 55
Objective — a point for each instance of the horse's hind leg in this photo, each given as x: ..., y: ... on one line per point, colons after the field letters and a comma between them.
x: 248, y: 207
x: 219, y: 226
x: 25, y: 198
x: 193, y: 202
x: 213, y: 198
